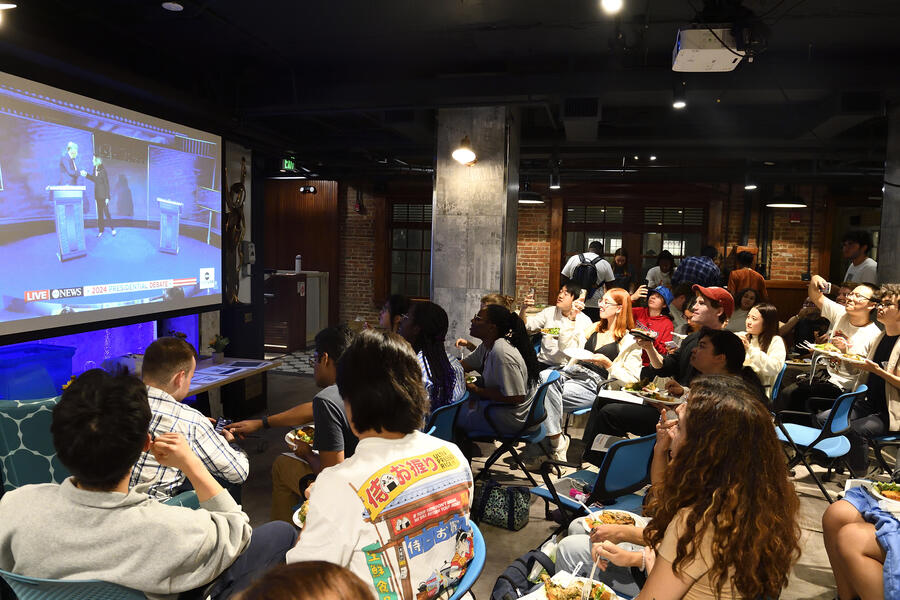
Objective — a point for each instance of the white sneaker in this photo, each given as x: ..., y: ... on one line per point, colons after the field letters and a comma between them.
x: 559, y: 453
x: 100, y: 235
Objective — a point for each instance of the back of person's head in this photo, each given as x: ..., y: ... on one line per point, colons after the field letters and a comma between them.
x: 501, y: 299
x: 596, y: 247
x: 709, y: 252
x: 728, y: 478
x: 744, y: 258
x: 863, y: 238
x: 397, y: 305
x: 432, y: 322
x: 310, y: 580
x: 512, y: 328
x: 100, y: 427
x: 379, y: 376
x: 572, y: 288
x: 165, y: 357
x: 683, y: 289
x: 333, y: 341
x: 726, y: 343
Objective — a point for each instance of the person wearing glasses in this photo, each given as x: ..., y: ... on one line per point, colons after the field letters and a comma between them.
x: 852, y: 332
x: 334, y: 439
x: 879, y: 411
x: 856, y: 246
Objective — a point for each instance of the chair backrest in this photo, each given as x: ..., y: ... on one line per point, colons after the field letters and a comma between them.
x: 475, y: 566
x: 440, y: 423
x: 187, y: 499
x: 839, y: 418
x: 32, y: 588
x: 27, y: 454
x: 773, y: 393
x: 625, y: 469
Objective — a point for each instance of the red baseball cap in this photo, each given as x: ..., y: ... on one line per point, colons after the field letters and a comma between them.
x: 720, y: 295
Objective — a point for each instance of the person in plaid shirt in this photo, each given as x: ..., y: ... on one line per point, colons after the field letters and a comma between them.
x: 699, y: 270
x: 168, y: 367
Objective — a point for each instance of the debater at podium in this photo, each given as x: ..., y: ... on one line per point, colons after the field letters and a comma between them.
x: 68, y: 170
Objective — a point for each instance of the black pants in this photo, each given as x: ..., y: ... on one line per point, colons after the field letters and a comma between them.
x: 103, y: 216
x: 799, y: 396
x: 616, y: 418
x: 865, y: 422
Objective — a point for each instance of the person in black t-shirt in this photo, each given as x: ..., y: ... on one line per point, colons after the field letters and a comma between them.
x: 879, y: 411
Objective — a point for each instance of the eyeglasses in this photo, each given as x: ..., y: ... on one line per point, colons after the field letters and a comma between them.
x: 608, y: 303
x: 855, y: 296
x: 314, y: 359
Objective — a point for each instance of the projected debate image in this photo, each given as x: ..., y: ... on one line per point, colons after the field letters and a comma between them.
x: 104, y: 212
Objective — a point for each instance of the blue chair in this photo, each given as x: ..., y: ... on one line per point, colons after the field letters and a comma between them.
x: 583, y: 411
x: 187, y: 499
x: 476, y: 565
x: 33, y: 588
x: 531, y: 432
x: 27, y: 454
x: 776, y: 387
x: 828, y: 441
x: 625, y: 469
x: 440, y: 423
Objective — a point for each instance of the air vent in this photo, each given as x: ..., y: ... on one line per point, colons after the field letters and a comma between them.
x: 412, y: 213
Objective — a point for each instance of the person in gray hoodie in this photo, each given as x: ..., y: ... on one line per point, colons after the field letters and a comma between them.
x: 92, y: 526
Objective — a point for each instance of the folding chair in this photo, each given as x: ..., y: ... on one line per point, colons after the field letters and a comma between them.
x: 475, y: 567
x: 33, y: 588
x: 625, y: 469
x: 827, y: 441
x: 776, y: 386
x: 531, y: 432
x: 878, y: 444
x: 440, y: 423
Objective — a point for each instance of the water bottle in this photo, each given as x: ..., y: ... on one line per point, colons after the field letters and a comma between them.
x: 297, y: 268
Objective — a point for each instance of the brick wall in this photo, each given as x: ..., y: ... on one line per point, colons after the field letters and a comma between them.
x: 533, y: 251
x: 357, y: 242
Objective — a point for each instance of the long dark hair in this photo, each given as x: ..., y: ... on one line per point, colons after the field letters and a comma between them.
x: 769, y: 315
x: 433, y: 322
x: 511, y: 327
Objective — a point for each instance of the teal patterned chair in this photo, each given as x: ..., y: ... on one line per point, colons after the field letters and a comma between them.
x: 27, y: 454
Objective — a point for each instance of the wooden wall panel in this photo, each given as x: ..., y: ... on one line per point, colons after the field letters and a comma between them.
x: 305, y: 224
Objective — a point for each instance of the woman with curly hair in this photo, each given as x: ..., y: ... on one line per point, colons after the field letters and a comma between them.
x: 724, y: 510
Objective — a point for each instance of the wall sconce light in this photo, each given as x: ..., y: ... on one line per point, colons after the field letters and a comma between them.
x: 307, y: 189
x: 464, y: 154
x: 611, y: 7
x: 679, y: 95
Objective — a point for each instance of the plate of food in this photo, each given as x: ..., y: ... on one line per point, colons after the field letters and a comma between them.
x: 579, y: 353
x: 306, y: 433
x: 644, y: 333
x: 652, y: 394
x: 614, y: 517
x: 565, y: 586
x: 798, y: 362
x: 299, y: 517
x: 852, y: 358
x: 554, y: 331
x: 887, y: 492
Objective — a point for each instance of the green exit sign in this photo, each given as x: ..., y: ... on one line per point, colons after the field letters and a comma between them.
x: 287, y: 164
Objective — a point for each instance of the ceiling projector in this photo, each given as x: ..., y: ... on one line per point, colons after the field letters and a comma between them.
x: 706, y: 50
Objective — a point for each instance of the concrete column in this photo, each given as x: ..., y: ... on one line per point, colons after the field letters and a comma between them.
x: 475, y: 216
x: 889, y: 239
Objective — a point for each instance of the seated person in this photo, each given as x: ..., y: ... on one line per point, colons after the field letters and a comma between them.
x: 310, y: 580
x: 661, y: 274
x: 400, y: 486
x: 392, y: 312
x: 852, y: 331
x: 744, y: 300
x: 765, y: 348
x: 615, y: 356
x: 567, y: 317
x: 168, y: 367
x: 333, y: 439
x: 655, y: 317
x: 682, y: 294
x: 92, y: 526
x: 711, y: 310
x: 879, y: 411
x: 807, y: 326
x: 425, y: 328
x: 503, y: 300
x: 509, y: 373
x: 711, y: 544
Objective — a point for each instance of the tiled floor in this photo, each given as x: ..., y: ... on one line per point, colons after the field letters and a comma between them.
x: 296, y: 363
x: 811, y: 577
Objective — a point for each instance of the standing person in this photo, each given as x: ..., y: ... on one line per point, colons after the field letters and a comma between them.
x: 656, y: 318
x: 856, y: 246
x: 392, y: 312
x: 744, y: 300
x: 852, y: 331
x: 567, y: 317
x: 68, y: 170
x: 879, y: 411
x: 425, y: 329
x: 745, y: 277
x: 167, y: 370
x: 699, y: 270
x: 765, y: 349
x: 661, y: 274
x: 624, y: 276
x: 101, y: 194
x: 96, y: 527
x: 333, y: 441
x: 400, y: 487
x: 509, y: 370
x: 593, y: 280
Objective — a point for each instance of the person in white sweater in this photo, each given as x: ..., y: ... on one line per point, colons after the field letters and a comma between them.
x: 93, y: 527
x: 765, y: 349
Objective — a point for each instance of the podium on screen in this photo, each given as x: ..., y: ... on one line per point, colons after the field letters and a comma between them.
x: 169, y: 223
x: 68, y: 213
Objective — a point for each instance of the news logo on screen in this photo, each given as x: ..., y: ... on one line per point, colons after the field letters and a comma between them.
x: 207, y: 279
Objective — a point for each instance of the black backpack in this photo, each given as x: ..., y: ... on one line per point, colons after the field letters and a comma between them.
x: 585, y: 274
x: 513, y: 582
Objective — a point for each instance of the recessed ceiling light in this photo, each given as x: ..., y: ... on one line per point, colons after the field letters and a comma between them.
x: 635, y: 157
x: 611, y: 7
x: 173, y: 6
x: 679, y: 104
x: 768, y: 163
x: 652, y: 157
